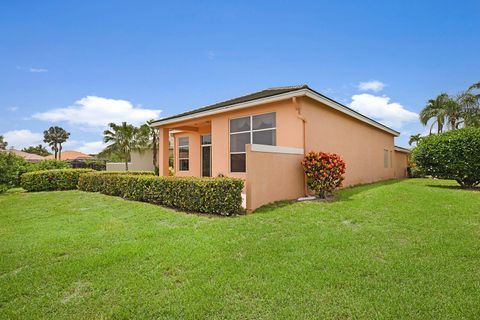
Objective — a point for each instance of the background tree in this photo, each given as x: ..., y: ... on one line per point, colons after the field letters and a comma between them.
x: 152, y: 136
x: 40, y: 150
x: 124, y: 139
x: 3, y: 143
x: 55, y: 136
x: 414, y: 139
x: 454, y: 112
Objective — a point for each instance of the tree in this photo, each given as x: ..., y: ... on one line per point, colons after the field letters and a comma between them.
x: 3, y: 143
x: 55, y: 136
x: 451, y: 155
x: 414, y: 139
x: 40, y: 150
x: 123, y: 139
x: 460, y: 110
x: 152, y: 136
x: 434, y: 110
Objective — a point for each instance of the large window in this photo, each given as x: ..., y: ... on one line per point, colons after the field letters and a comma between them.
x: 183, y: 153
x: 258, y: 129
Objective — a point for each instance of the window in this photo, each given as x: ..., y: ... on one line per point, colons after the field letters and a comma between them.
x: 386, y: 161
x: 183, y: 153
x: 258, y: 129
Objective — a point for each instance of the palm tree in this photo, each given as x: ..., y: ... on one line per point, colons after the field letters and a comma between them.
x: 3, y: 143
x: 55, y: 136
x: 124, y: 138
x: 435, y: 109
x: 152, y: 136
x: 414, y: 139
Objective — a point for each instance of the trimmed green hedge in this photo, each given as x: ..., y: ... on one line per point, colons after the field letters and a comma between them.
x: 451, y: 155
x: 48, y: 180
x: 207, y: 195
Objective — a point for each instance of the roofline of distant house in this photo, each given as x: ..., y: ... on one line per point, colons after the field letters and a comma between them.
x: 400, y: 149
x: 282, y: 96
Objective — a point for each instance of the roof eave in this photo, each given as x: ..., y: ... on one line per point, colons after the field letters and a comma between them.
x: 301, y: 92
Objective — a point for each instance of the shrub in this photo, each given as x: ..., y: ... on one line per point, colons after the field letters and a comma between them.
x: 50, y: 164
x: 3, y: 188
x: 451, y: 155
x: 207, y: 195
x: 48, y: 180
x: 11, y: 168
x: 324, y: 172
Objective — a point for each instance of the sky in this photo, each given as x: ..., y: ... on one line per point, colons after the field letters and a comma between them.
x: 83, y: 64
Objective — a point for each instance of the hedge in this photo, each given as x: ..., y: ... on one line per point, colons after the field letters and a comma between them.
x: 206, y: 195
x: 96, y: 182
x: 48, y: 180
x: 451, y: 155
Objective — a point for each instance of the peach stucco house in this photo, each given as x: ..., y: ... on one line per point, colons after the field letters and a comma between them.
x: 262, y: 137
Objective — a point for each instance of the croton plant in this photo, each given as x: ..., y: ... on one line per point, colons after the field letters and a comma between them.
x: 324, y: 172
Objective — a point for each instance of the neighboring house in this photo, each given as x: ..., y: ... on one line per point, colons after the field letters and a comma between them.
x: 70, y: 155
x: 262, y: 138
x: 30, y: 157
x: 139, y: 161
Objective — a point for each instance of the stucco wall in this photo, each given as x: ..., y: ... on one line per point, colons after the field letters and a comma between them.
x: 400, y: 164
x: 273, y: 177
x: 140, y: 161
x: 289, y: 133
x: 361, y: 145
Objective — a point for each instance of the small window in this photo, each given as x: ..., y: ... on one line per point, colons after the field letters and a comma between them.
x: 386, y: 161
x: 183, y: 154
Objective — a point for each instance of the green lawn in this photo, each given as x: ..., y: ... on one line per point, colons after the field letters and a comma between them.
x: 407, y: 249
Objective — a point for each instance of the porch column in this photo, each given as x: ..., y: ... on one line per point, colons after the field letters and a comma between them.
x: 163, y: 152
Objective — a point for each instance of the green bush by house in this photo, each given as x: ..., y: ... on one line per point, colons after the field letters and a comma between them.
x: 207, y: 195
x: 48, y: 180
x: 50, y: 164
x: 11, y: 169
x: 451, y: 155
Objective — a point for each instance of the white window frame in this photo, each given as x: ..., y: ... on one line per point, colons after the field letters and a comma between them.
x: 251, y: 131
x: 188, y: 158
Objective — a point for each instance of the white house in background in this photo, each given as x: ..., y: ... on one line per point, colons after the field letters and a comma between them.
x: 139, y: 161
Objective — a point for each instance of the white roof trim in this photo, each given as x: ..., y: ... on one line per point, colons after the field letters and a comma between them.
x: 302, y: 92
x: 400, y: 149
x: 275, y: 149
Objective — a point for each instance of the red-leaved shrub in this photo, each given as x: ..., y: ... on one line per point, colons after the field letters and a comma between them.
x: 324, y: 172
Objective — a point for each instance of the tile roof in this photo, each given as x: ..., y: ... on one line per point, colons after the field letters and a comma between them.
x: 27, y: 156
x: 245, y: 98
x: 71, y: 155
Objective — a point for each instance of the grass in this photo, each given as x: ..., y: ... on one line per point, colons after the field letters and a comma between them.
x: 406, y: 249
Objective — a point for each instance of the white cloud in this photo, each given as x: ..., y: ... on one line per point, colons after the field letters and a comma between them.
x: 12, y: 109
x: 37, y: 70
x: 211, y: 55
x: 379, y: 108
x: 93, y: 111
x: 373, y: 85
x: 22, y: 138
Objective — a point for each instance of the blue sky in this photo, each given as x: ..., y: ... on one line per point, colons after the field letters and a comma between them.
x: 80, y: 64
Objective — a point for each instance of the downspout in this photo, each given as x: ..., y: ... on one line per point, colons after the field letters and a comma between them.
x: 298, y: 108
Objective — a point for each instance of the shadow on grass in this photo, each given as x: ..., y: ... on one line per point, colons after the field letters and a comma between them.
x: 340, y: 195
x: 347, y: 193
x: 476, y: 189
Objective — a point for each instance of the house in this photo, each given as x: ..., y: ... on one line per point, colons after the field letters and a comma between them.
x: 70, y: 155
x: 139, y: 161
x: 30, y: 157
x: 262, y: 138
